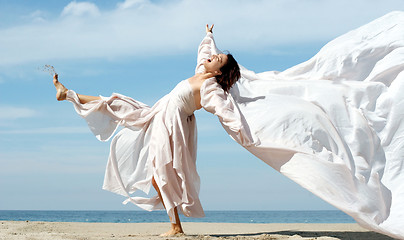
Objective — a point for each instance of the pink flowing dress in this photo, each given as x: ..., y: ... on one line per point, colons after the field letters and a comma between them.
x: 333, y: 124
x: 156, y: 142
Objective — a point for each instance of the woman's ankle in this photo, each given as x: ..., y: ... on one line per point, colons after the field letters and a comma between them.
x: 177, y: 227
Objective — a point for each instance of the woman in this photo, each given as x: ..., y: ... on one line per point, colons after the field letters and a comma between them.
x: 158, y: 144
x: 333, y: 124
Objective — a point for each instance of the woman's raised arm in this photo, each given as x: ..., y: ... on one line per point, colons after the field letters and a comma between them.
x: 206, y: 49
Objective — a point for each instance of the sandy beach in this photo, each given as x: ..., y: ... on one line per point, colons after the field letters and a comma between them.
x: 10, y: 230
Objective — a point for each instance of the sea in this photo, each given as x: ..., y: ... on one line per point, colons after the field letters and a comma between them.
x: 161, y: 216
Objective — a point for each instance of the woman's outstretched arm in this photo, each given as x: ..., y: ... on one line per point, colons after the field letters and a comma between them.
x: 216, y: 101
x: 205, y: 50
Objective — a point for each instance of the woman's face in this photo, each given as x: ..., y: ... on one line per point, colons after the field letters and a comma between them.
x: 215, y: 63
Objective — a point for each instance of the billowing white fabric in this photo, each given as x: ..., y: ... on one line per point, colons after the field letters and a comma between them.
x: 158, y: 141
x: 333, y: 124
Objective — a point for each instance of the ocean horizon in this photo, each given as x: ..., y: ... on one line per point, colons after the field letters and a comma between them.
x: 138, y: 216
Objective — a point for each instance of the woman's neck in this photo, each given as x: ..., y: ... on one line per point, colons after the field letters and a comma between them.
x: 206, y: 75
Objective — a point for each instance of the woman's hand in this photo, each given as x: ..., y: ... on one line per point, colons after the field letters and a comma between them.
x: 209, y: 29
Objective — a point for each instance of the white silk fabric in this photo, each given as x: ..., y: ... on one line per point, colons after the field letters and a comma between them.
x: 156, y: 142
x: 333, y: 124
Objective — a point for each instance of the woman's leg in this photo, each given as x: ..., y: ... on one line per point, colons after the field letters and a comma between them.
x: 62, y: 90
x: 85, y: 99
x: 175, y: 227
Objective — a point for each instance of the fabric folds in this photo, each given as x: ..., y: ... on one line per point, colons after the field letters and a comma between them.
x: 156, y: 142
x: 333, y: 124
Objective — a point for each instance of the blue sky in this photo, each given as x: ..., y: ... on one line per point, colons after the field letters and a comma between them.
x: 48, y: 157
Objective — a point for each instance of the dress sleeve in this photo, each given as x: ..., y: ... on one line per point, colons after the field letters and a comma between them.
x: 216, y: 101
x: 205, y: 50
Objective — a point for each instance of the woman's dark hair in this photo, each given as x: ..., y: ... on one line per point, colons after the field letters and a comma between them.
x: 230, y: 73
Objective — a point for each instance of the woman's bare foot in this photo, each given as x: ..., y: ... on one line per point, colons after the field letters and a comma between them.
x: 60, y: 89
x: 173, y: 231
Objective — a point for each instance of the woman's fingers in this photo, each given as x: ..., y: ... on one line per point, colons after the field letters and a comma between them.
x: 209, y: 29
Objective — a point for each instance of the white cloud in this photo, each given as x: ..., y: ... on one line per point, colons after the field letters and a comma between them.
x: 36, y: 16
x: 142, y: 28
x: 12, y: 113
x: 132, y: 3
x: 78, y: 9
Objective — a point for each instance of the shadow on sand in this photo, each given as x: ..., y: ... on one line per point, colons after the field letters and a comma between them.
x: 310, y: 234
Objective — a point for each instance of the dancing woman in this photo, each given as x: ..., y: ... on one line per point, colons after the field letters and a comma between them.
x: 158, y: 144
x: 333, y: 124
